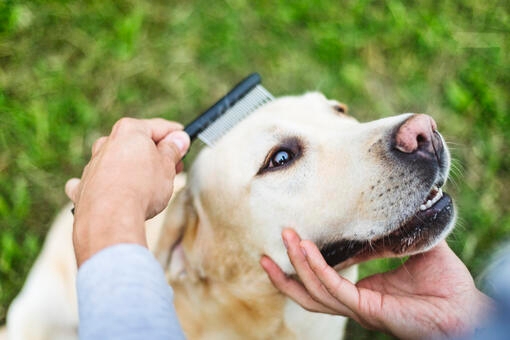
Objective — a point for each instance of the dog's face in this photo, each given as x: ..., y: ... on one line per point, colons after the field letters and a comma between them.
x: 359, y: 190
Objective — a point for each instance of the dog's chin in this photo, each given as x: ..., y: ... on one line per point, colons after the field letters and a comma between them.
x: 422, y: 231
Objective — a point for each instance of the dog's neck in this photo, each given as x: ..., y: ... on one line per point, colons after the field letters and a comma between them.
x: 250, y: 308
x: 247, y: 307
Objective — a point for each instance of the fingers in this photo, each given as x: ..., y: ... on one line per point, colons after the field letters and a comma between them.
x: 160, y: 128
x: 155, y: 128
x: 97, y: 145
x: 71, y: 188
x: 179, y: 167
x: 174, y: 146
x: 168, y: 135
x: 313, y: 284
x: 344, y: 292
x: 171, y: 142
x: 291, y: 287
x: 298, y: 260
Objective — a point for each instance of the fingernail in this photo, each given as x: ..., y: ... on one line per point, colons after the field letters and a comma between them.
x: 180, y: 139
x: 303, y: 250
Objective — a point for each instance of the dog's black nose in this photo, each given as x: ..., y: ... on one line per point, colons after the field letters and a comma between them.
x: 418, y: 136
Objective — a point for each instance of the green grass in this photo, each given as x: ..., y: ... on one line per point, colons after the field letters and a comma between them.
x: 69, y: 69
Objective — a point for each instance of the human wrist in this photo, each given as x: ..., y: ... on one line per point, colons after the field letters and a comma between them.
x: 474, y: 314
x: 98, y: 226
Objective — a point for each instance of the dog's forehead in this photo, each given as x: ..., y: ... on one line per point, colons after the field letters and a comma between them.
x: 298, y: 107
x: 311, y: 117
x: 309, y: 110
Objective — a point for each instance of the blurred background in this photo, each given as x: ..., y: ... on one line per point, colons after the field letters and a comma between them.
x: 70, y: 69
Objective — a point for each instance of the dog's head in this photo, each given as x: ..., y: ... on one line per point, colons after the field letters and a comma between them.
x: 358, y: 190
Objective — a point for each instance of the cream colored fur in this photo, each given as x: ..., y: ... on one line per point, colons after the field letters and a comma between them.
x: 229, y: 214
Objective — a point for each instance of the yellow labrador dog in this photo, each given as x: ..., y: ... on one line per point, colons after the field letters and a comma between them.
x: 358, y: 190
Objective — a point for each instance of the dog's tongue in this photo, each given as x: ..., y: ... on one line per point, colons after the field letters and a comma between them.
x: 339, y: 251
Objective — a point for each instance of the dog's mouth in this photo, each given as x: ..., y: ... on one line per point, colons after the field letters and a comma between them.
x: 416, y: 234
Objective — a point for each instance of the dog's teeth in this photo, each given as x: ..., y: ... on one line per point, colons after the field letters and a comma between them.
x: 438, y: 194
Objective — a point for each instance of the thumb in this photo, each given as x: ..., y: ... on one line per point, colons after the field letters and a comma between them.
x: 174, y: 145
x: 71, y: 189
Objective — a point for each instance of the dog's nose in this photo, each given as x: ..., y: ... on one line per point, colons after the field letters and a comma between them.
x: 418, y: 134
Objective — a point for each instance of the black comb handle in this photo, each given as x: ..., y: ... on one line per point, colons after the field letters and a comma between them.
x: 221, y: 106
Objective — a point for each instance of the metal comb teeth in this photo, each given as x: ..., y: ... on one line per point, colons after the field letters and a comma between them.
x: 257, y: 97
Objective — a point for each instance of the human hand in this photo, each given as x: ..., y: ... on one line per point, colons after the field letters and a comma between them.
x: 431, y: 296
x: 128, y: 180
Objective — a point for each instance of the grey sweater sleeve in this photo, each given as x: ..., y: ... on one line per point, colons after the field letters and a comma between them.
x: 123, y: 294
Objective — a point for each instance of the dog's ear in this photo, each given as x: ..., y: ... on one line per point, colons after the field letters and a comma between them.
x: 180, y: 218
x: 341, y: 108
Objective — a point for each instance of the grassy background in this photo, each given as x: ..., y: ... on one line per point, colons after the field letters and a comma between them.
x: 69, y: 69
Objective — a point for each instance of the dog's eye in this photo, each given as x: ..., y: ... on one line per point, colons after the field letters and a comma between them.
x: 280, y: 158
x: 282, y: 155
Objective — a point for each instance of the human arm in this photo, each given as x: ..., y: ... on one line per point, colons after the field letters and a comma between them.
x: 431, y: 296
x: 123, y: 294
x: 122, y: 291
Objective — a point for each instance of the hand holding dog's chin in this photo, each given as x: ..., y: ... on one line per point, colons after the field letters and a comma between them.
x: 128, y: 180
x: 431, y: 296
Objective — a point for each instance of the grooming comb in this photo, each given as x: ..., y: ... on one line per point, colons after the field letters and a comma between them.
x: 236, y: 105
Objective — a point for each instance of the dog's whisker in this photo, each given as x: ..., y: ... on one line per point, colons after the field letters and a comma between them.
x: 456, y: 171
x: 449, y: 142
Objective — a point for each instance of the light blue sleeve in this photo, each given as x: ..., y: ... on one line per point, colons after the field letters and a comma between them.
x: 123, y: 294
x: 496, y: 284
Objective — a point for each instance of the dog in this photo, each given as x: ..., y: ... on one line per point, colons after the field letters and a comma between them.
x: 358, y: 190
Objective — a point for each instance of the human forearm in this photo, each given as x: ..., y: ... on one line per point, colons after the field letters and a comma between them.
x: 97, y: 228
